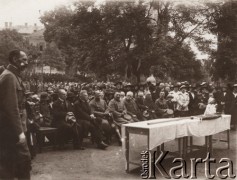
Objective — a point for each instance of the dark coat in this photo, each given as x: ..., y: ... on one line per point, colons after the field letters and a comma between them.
x: 140, y: 104
x: 82, y: 110
x: 59, y: 113
x: 12, y: 104
x: 193, y: 103
x: 229, y: 102
x: 231, y: 107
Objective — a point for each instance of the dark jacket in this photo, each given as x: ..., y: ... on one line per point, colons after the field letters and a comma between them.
x: 82, y: 110
x: 230, y: 103
x: 140, y: 103
x: 59, y: 113
x: 12, y: 104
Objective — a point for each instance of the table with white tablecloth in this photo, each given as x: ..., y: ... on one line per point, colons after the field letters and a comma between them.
x: 160, y: 131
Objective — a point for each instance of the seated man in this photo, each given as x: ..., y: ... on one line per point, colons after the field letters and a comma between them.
x: 171, y: 105
x: 140, y: 101
x: 61, y: 110
x: 98, y: 108
x: 88, y: 120
x: 148, y: 101
x: 45, y: 110
x: 117, y: 108
x: 162, y: 106
x: 132, y: 108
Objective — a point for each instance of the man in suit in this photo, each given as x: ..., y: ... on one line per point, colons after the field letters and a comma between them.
x: 88, y: 121
x: 231, y: 105
x: 132, y: 107
x: 98, y: 107
x: 62, y: 109
x: 118, y: 109
x: 192, y: 106
x: 15, y: 159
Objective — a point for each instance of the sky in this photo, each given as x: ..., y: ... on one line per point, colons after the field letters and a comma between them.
x: 20, y: 12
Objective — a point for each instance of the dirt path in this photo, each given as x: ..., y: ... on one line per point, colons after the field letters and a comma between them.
x: 97, y: 164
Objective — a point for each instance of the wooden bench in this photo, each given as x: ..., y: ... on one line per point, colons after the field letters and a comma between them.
x: 42, y: 133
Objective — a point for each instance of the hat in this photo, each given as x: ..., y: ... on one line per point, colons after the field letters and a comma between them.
x: 203, y: 84
x: 186, y: 82
x: 183, y: 86
x: 178, y: 84
x: 28, y: 92
x: 70, y: 114
x: 35, y: 97
x: 44, y: 96
x: 162, y: 84
x: 169, y: 96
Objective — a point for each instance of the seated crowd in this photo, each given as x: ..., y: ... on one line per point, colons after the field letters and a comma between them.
x: 101, y: 110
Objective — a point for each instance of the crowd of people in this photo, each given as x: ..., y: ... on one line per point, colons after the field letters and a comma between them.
x: 99, y: 109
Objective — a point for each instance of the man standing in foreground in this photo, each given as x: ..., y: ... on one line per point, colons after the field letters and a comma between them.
x: 15, y: 159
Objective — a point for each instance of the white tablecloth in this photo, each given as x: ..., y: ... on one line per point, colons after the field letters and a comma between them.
x: 174, y: 128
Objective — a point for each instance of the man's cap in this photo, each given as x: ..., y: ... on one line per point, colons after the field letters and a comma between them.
x: 183, y: 86
x: 203, y: 84
x: 28, y: 92
x: 169, y: 96
x: 178, y: 84
x: 186, y: 83
x: 35, y: 97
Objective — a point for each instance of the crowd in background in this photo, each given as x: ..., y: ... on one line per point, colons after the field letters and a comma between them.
x: 99, y: 109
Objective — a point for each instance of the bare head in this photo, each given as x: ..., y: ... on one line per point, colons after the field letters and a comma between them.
x: 62, y: 94
x: 129, y: 95
x: 18, y: 58
x: 117, y: 96
x: 84, y: 95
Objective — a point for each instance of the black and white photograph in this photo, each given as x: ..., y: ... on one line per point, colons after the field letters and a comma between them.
x: 118, y: 89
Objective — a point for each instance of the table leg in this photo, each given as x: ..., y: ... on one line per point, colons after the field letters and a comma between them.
x: 210, y: 144
x: 185, y: 145
x: 228, y: 138
x: 191, y: 144
x: 127, y: 149
x: 179, y: 146
x: 206, y: 143
x: 163, y: 147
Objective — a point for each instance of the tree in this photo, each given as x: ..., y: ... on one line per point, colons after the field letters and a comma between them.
x: 10, y: 39
x: 53, y: 57
x: 225, y: 26
x: 125, y: 38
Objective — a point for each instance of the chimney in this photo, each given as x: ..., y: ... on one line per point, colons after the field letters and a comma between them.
x: 10, y: 25
x: 26, y: 24
x: 35, y: 25
x: 6, y: 25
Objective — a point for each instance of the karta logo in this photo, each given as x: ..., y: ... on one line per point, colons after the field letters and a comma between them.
x: 149, y: 167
